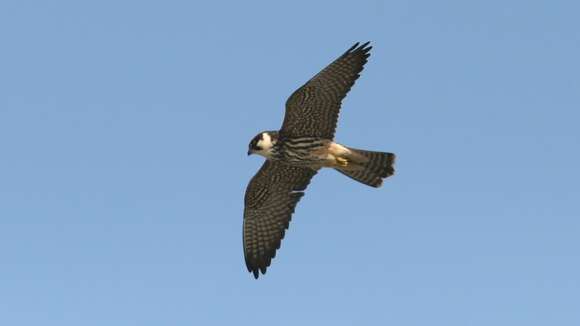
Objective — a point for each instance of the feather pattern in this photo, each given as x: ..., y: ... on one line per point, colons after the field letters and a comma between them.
x: 270, y: 200
x: 313, y: 109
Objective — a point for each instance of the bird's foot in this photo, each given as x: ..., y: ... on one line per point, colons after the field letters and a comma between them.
x: 342, y: 162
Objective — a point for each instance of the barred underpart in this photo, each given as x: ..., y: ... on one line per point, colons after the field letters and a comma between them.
x: 296, y: 152
x: 300, y: 151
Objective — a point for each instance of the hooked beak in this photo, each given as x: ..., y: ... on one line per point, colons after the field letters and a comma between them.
x: 249, y: 152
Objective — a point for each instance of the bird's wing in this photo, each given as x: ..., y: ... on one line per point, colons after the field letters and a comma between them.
x: 270, y: 199
x: 312, y: 110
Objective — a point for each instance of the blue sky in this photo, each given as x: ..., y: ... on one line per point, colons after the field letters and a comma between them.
x: 123, y: 134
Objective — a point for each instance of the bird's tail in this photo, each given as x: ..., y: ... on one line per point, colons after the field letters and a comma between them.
x: 368, y: 167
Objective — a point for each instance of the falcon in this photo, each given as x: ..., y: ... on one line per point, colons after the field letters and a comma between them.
x: 294, y: 154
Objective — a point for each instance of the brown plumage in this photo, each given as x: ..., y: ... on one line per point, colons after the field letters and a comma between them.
x: 270, y: 200
x: 313, y: 109
x: 303, y: 145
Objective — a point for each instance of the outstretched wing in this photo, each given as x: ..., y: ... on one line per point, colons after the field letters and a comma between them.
x: 312, y: 110
x: 270, y: 199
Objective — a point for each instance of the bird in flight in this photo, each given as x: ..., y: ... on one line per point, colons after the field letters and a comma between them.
x: 294, y: 154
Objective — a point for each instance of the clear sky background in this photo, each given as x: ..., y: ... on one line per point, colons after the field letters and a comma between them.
x: 123, y: 134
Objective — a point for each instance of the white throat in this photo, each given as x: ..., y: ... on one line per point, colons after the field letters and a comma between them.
x: 266, y: 144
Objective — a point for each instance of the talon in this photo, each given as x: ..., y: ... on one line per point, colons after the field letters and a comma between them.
x: 342, y: 162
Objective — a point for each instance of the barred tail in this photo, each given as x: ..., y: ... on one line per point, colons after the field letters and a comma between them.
x: 368, y: 167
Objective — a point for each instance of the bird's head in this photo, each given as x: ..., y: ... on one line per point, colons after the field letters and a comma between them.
x: 263, y: 143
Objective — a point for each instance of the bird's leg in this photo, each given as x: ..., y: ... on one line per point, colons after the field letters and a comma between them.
x: 342, y: 162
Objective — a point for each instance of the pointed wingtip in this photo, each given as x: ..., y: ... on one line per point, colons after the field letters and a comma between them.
x: 360, y: 47
x: 366, y: 47
x: 352, y: 47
